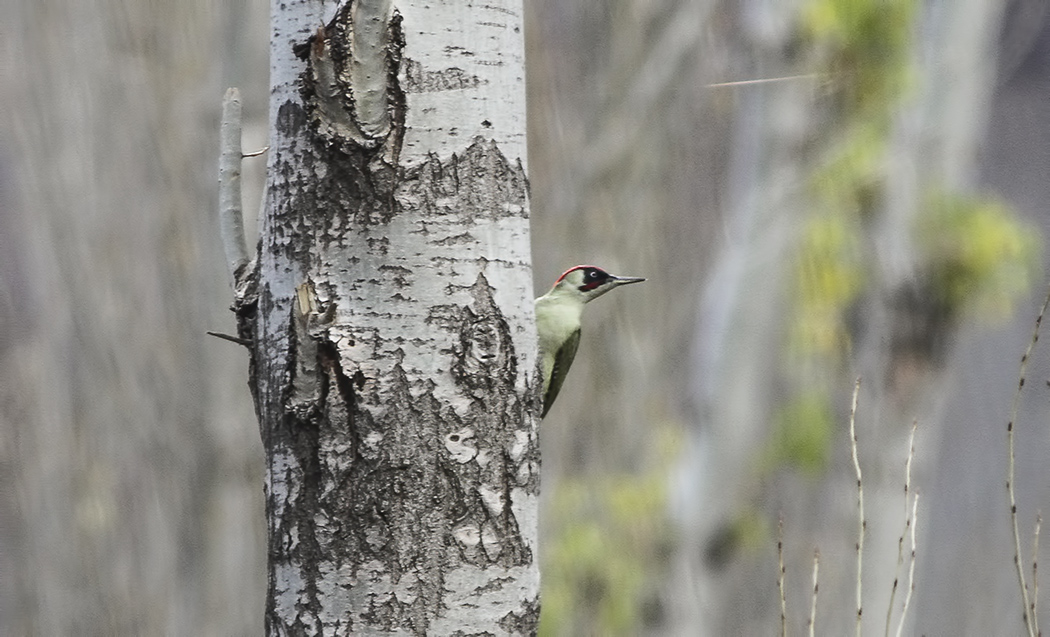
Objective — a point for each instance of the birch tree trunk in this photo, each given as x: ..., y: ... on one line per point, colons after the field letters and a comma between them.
x: 390, y: 310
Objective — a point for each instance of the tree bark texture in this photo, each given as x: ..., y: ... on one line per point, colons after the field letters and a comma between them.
x: 393, y: 365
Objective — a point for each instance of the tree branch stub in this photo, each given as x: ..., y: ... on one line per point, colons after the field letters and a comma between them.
x: 231, y: 218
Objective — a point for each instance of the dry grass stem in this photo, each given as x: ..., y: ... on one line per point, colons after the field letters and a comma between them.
x: 907, y: 525
x: 812, y: 622
x: 780, y: 577
x: 860, y: 503
x: 1028, y: 620
x: 913, y: 521
x: 1035, y: 573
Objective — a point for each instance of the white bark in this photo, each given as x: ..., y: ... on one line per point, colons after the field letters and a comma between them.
x: 368, y: 65
x: 395, y: 348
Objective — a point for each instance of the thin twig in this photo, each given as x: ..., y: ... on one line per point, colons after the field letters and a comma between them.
x: 780, y: 576
x: 860, y: 502
x: 896, y: 578
x: 232, y: 339
x: 766, y: 80
x: 1035, y: 572
x: 1029, y: 625
x: 255, y: 153
x: 911, y: 567
x: 907, y: 524
x: 812, y: 623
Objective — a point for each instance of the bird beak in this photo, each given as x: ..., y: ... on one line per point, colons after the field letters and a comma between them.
x: 624, y: 280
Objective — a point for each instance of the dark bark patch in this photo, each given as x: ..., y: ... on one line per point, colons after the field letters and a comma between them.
x: 341, y: 405
x: 326, y: 89
x: 478, y: 183
x: 459, y: 239
x: 398, y: 275
x: 327, y: 193
x: 484, y: 360
x: 524, y: 623
x: 341, y: 177
x: 379, y: 246
x: 420, y: 80
x: 449, y: 317
x: 495, y: 584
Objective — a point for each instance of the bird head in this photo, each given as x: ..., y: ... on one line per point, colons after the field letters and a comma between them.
x: 588, y: 282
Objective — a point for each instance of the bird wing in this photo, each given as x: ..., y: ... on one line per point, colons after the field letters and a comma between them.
x: 562, y: 362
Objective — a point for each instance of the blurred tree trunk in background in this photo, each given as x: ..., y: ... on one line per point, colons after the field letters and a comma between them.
x: 967, y: 523
x: 129, y: 458
x: 394, y: 352
x: 742, y: 322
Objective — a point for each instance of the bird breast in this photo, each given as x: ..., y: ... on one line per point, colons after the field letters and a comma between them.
x: 556, y: 320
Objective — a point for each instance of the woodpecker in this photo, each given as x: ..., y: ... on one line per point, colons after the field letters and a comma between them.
x: 558, y: 315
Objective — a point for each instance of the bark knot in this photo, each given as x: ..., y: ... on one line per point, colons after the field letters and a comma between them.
x: 350, y: 87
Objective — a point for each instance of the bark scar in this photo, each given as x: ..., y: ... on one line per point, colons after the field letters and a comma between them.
x: 348, y: 105
x: 484, y: 354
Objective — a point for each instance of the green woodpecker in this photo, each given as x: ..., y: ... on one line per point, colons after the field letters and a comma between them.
x: 558, y: 321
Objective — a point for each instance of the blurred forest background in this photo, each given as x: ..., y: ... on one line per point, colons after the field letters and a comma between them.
x: 878, y: 211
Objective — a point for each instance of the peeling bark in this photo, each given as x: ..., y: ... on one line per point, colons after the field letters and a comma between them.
x: 394, y: 360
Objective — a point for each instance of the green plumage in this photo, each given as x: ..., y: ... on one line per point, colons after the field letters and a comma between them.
x: 560, y: 369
